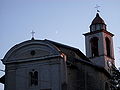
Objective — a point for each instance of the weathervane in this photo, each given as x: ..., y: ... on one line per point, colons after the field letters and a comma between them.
x: 33, y: 34
x: 97, y: 8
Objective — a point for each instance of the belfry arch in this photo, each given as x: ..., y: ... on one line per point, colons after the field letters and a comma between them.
x: 94, y: 47
x: 108, y: 43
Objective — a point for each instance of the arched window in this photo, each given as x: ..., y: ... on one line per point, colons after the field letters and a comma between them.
x: 94, y: 47
x: 33, y: 78
x: 108, y: 46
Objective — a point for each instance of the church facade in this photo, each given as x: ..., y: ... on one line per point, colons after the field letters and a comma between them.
x: 48, y: 65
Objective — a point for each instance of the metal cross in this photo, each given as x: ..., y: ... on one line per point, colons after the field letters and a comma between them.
x: 97, y: 8
x: 33, y: 33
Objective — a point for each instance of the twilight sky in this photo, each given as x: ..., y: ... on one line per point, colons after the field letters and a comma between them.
x: 63, y: 21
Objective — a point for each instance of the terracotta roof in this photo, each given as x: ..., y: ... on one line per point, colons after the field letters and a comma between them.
x: 98, y: 20
x: 69, y: 47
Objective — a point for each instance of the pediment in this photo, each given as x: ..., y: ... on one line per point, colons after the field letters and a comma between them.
x: 29, y: 50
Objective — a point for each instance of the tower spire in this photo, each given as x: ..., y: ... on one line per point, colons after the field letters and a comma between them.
x: 97, y: 24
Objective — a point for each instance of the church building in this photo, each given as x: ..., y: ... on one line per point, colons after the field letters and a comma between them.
x: 48, y: 65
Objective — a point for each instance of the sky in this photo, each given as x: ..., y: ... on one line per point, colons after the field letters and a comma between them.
x: 63, y: 21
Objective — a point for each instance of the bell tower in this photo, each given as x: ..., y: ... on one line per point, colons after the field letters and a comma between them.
x: 99, y: 43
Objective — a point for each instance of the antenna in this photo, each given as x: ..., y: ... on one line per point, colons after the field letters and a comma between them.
x: 97, y: 8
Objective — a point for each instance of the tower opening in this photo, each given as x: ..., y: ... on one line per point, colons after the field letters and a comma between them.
x: 94, y: 47
x: 107, y: 46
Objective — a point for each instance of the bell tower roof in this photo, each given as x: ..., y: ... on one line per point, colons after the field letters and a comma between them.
x: 97, y: 20
x: 97, y: 24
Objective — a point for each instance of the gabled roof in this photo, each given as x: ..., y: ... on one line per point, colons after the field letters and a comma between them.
x: 77, y: 51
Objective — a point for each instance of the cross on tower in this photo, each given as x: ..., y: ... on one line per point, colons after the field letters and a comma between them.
x: 33, y: 33
x: 97, y: 8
